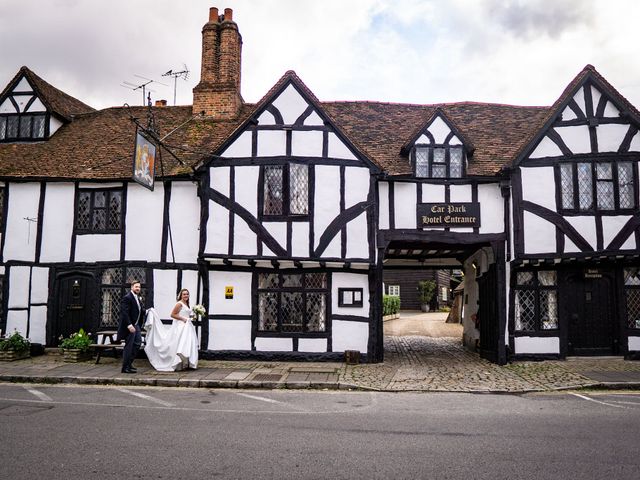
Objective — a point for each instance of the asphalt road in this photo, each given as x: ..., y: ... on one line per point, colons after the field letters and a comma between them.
x: 69, y: 432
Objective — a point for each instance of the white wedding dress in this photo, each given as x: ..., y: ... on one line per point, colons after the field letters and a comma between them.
x: 171, y: 347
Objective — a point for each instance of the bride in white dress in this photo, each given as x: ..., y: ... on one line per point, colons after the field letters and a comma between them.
x: 172, y: 347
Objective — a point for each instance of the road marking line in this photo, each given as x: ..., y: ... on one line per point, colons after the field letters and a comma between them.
x: 269, y: 400
x: 597, y: 401
x: 146, y: 397
x: 42, y: 396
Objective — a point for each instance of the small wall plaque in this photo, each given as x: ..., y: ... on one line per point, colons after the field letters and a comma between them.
x: 228, y: 293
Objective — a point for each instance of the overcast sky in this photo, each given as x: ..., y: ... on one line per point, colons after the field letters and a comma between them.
x: 520, y: 52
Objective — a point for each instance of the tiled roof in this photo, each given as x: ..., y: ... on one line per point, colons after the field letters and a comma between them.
x: 56, y: 100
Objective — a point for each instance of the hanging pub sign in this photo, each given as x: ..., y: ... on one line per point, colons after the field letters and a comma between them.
x: 144, y: 160
x: 449, y: 214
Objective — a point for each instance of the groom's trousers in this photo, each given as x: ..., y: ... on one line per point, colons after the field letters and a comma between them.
x: 131, y: 346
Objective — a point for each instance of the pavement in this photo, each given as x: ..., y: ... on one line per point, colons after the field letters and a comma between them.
x: 422, y: 353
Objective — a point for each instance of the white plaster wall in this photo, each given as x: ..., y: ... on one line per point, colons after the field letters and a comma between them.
x: 611, y: 111
x: 39, y: 285
x: 635, y: 143
x: 546, y: 148
x: 241, y: 146
x: 184, y: 212
x: 383, y: 205
x: 229, y: 335
x: 576, y: 138
x: 327, y: 198
x: 538, y: 186
x: 17, y: 321
x: 278, y: 231
x: 54, y: 125
x: 634, y: 343
x: 334, y: 249
x: 290, y: 104
x: 264, y: 344
x: 38, y: 325
x: 20, y: 240
x: 349, y: 336
x: 143, y: 222
x: 217, y: 229
x: 190, y: 282
x: 313, y: 119
x: 579, y: 98
x: 356, y: 185
x: 491, y: 208
x: 266, y: 118
x: 36, y: 107
x: 586, y: 226
x: 539, y: 235
x: 240, y: 304
x: 219, y: 179
x: 357, y: 240
x: 350, y: 280
x: 439, y: 130
x: 97, y: 248
x: 306, y: 143
x: 405, y: 205
x: 164, y: 291
x: 272, y: 143
x: 312, y: 344
x: 595, y: 97
x: 459, y: 193
x: 245, y: 241
x: 300, y: 239
x: 611, y: 226
x: 22, y: 101
x: 19, y: 287
x: 246, y: 192
x: 610, y: 136
x: 337, y: 149
x: 568, y: 114
x: 57, y: 227
x: 432, y: 193
x: 525, y: 345
x: 23, y: 86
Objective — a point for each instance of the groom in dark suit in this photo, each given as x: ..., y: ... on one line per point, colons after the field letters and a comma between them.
x: 131, y: 312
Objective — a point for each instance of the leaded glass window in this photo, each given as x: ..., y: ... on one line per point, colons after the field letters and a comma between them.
x: 286, y: 190
x: 587, y: 187
x: 632, y: 296
x: 99, y: 211
x: 22, y: 127
x: 442, y: 161
x: 536, y: 301
x: 115, y: 282
x: 292, y: 302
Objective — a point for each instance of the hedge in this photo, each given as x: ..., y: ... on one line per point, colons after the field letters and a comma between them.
x: 390, y: 304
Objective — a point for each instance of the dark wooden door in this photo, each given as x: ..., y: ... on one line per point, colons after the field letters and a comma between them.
x: 488, y: 315
x: 590, y: 312
x: 75, y: 297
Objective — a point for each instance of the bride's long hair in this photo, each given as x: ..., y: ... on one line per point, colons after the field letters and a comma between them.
x: 182, y: 290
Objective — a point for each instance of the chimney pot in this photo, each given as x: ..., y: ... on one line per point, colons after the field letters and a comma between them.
x: 213, y: 15
x: 161, y: 103
x: 228, y: 15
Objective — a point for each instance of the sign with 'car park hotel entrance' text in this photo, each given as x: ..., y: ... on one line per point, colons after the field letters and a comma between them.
x: 449, y: 214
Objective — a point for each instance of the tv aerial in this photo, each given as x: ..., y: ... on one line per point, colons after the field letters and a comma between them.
x: 141, y: 86
x: 183, y: 74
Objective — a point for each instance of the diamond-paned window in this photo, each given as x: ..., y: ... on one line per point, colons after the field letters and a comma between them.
x: 22, y: 126
x: 115, y: 282
x: 589, y: 187
x: 536, y: 301
x: 632, y: 276
x: 441, y: 161
x: 632, y: 296
x: 292, y: 302
x: 99, y: 211
x: 285, y: 191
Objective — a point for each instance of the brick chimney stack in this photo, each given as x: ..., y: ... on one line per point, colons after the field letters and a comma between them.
x: 218, y: 93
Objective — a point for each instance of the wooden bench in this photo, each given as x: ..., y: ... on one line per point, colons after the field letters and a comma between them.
x: 113, y: 345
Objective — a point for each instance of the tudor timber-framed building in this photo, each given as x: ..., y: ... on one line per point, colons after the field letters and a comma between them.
x: 283, y: 230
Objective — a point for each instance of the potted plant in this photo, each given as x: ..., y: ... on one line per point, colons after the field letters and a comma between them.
x: 77, y: 348
x: 426, y: 289
x: 14, y: 347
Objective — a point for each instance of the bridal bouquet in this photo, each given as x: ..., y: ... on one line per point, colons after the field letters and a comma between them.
x: 199, y: 310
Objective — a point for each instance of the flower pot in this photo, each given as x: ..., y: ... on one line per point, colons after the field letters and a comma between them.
x: 75, y: 355
x: 11, y: 355
x: 425, y: 307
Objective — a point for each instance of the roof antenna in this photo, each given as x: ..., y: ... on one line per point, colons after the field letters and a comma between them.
x: 141, y: 86
x: 184, y: 74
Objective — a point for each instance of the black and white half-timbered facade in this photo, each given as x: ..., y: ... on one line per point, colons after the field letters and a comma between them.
x: 282, y: 216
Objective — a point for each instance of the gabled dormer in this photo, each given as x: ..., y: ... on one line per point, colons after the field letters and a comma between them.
x: 32, y: 110
x: 438, y: 149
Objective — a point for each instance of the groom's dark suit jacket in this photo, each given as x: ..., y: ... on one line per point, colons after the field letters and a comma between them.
x: 130, y: 314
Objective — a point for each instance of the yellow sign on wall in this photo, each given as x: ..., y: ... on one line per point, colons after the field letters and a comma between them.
x: 228, y: 292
